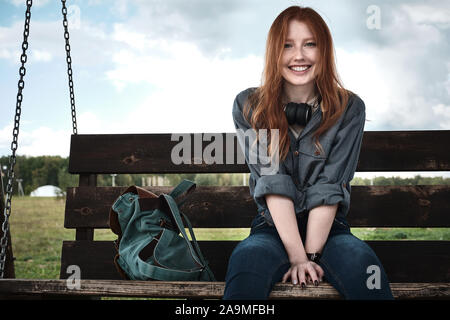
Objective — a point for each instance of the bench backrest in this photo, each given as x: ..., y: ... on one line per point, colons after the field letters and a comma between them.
x: 87, y: 206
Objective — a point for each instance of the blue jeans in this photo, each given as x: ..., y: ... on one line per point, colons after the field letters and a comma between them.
x: 260, y: 261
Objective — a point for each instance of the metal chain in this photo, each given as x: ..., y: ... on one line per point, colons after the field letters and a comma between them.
x: 14, y: 143
x: 2, y: 190
x: 69, y: 66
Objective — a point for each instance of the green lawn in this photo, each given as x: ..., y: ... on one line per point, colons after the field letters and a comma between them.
x: 37, y: 231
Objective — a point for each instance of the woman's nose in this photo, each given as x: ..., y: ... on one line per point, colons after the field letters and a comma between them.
x: 298, y: 53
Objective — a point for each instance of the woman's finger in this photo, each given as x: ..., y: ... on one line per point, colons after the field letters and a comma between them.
x: 294, y: 277
x: 313, y: 274
x: 319, y: 271
x: 302, y: 277
x: 308, y: 278
x: 286, y: 276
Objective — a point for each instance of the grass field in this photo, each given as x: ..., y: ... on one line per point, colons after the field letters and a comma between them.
x: 37, y: 231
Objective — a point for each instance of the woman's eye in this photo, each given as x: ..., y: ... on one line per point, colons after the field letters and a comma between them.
x: 308, y: 44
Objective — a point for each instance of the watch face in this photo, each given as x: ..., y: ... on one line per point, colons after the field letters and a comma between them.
x: 314, y: 256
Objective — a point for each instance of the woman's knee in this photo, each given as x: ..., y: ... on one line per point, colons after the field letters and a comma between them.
x: 254, y: 253
x: 350, y: 248
x: 363, y: 254
x: 251, y: 269
x: 354, y: 268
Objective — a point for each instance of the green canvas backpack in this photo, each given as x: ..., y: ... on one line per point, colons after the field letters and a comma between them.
x: 149, y: 244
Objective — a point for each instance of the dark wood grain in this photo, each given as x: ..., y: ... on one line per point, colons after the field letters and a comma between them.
x: 233, y: 207
x: 151, y: 153
x: 212, y: 290
x: 403, y: 261
x: 86, y: 232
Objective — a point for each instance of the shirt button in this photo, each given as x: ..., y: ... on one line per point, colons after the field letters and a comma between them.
x: 296, y: 153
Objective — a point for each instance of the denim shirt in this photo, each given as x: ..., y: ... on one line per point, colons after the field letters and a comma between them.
x: 307, y: 177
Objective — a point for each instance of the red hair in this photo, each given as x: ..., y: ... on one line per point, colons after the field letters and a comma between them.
x: 266, y: 99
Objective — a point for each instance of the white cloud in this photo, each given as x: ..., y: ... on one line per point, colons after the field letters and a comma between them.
x: 5, y: 54
x: 393, y: 94
x: 42, y: 55
x: 399, y: 71
x: 135, y: 40
x: 37, y: 3
x: 44, y: 140
x: 42, y: 42
x: 6, y: 137
x: 40, y: 141
x: 94, y: 2
x: 48, y: 141
x: 90, y: 123
x: 192, y: 90
x: 9, y: 42
x: 120, y: 8
x: 361, y: 74
x: 90, y: 44
x: 442, y: 112
x: 429, y: 13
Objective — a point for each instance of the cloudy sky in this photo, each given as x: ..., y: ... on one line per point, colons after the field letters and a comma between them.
x: 165, y: 66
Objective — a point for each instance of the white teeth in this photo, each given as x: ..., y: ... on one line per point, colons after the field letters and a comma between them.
x: 299, y: 68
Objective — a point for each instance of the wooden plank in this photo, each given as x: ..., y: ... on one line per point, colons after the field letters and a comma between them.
x: 405, y: 151
x: 152, y: 153
x: 212, y: 290
x: 88, y: 180
x: 404, y: 261
x: 86, y: 232
x: 95, y: 259
x: 232, y: 207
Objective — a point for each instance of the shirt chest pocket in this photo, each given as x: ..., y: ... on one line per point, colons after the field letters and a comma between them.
x: 311, y: 161
x: 308, y: 150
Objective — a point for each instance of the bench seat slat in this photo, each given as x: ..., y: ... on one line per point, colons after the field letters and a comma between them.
x: 214, y: 290
x: 232, y: 207
x: 404, y: 261
x: 151, y: 153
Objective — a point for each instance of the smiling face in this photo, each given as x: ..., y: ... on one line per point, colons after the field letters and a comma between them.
x: 299, y: 58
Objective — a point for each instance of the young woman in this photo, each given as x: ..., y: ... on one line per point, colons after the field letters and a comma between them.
x: 300, y: 233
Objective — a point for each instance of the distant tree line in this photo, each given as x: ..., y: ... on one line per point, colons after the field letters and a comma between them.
x: 53, y: 170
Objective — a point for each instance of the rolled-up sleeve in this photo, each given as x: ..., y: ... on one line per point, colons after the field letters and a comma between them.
x: 269, y: 175
x: 332, y: 185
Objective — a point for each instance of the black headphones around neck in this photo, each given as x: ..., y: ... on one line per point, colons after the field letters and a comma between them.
x: 299, y: 113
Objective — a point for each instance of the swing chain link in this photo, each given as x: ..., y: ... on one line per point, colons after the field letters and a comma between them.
x: 14, y: 143
x: 69, y: 66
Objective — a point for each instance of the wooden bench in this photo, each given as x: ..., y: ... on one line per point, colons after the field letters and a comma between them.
x: 416, y: 269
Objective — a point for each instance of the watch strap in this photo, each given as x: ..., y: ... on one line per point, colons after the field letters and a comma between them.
x: 314, y: 257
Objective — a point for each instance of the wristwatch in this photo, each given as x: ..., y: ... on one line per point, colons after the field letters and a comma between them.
x: 314, y: 257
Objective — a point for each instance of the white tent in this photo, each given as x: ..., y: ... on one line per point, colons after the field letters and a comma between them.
x: 46, y: 191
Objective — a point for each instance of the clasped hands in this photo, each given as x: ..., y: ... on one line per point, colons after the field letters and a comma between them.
x: 303, y: 271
